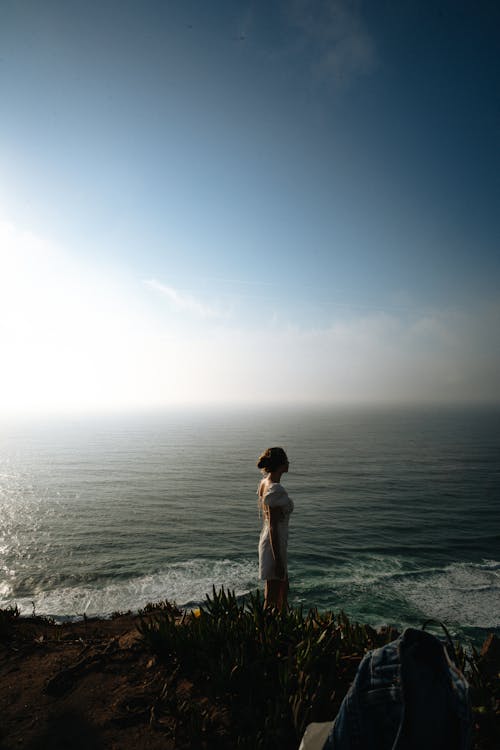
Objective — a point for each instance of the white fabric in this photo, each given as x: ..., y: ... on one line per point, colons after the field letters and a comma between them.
x: 273, y: 495
x: 316, y: 735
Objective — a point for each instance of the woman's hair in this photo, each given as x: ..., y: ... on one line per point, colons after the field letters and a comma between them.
x: 271, y: 459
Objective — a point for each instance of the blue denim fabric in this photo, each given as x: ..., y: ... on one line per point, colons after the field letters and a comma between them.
x: 406, y: 696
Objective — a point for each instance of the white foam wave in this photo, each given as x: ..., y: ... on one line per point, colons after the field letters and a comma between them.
x: 465, y: 593
x: 372, y: 569
x: 462, y: 594
x: 5, y: 590
x: 185, y: 583
x: 5, y: 585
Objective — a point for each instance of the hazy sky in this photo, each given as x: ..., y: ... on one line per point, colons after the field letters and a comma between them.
x: 248, y: 202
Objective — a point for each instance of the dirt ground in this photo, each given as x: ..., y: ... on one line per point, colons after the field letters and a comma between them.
x: 81, y: 685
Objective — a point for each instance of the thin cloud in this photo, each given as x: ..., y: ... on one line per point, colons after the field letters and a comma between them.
x: 336, y: 38
x: 117, y: 354
x: 183, y: 302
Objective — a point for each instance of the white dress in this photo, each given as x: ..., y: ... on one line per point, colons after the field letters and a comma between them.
x: 275, y: 496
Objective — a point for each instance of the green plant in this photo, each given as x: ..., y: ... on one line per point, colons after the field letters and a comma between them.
x: 120, y: 613
x: 272, y: 672
x: 161, y: 606
x: 7, y: 618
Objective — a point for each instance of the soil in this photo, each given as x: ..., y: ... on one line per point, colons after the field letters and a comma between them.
x: 88, y: 684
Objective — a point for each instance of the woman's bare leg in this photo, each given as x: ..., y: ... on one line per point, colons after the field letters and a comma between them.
x: 276, y: 593
x: 283, y: 593
x: 272, y: 593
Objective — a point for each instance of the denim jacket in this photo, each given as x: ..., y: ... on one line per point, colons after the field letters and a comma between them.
x: 406, y: 695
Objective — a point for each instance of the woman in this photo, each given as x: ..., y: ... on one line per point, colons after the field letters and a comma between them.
x: 276, y: 507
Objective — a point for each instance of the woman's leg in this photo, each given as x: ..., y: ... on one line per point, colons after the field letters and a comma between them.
x: 276, y: 593
x: 283, y: 593
x: 272, y: 592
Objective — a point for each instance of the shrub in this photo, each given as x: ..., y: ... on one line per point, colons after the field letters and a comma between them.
x: 7, y: 619
x: 272, y: 672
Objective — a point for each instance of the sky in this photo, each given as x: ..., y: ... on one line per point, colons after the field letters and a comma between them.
x: 248, y: 203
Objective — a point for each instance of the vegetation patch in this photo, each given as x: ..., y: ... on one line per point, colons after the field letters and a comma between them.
x: 269, y: 673
x: 8, y: 618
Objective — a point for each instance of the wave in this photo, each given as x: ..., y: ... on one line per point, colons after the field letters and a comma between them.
x: 372, y: 588
x: 380, y: 589
x: 186, y: 583
x: 465, y: 593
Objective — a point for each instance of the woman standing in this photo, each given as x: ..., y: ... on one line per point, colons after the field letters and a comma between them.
x: 276, y: 507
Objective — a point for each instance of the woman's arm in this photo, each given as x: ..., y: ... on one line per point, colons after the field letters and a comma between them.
x: 275, y: 515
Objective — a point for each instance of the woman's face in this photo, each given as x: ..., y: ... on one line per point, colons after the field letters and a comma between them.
x: 284, y: 466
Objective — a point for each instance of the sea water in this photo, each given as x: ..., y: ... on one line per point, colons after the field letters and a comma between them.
x: 396, y: 511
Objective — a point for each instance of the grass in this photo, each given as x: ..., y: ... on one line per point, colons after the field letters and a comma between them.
x: 10, y: 616
x: 270, y: 673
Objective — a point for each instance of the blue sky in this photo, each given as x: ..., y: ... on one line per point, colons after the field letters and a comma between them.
x: 248, y: 202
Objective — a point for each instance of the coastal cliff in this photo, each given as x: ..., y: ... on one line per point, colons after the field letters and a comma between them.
x: 171, y: 679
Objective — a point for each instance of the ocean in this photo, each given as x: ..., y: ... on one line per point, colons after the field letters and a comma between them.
x: 396, y: 511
